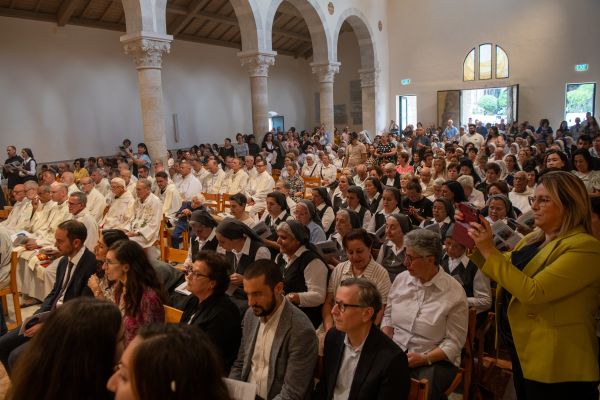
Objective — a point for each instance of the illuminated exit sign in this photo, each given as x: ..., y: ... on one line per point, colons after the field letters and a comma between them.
x: 581, y: 67
x: 405, y: 82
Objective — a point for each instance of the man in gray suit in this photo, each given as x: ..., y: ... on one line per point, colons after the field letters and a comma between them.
x: 279, y: 346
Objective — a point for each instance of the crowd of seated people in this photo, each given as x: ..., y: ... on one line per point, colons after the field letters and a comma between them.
x: 378, y: 264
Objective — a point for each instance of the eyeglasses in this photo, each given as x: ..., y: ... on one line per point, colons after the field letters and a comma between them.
x: 541, y: 201
x: 342, y: 306
x: 197, y: 275
x: 409, y: 259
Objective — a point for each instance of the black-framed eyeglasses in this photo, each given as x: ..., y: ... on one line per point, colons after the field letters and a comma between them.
x: 342, y: 306
x: 197, y: 275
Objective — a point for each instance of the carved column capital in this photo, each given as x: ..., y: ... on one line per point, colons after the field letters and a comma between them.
x: 257, y: 63
x: 368, y: 77
x: 147, y: 51
x: 325, y: 72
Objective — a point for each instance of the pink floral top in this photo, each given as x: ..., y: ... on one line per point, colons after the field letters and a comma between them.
x: 151, y: 310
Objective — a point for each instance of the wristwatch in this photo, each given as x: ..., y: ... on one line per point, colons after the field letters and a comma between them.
x: 426, y: 354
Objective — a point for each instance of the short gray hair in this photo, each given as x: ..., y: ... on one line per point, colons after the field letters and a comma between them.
x: 81, y: 197
x: 466, y: 180
x: 425, y: 243
x: 368, y: 295
x: 145, y: 182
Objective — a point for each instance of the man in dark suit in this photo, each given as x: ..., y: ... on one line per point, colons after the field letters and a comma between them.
x: 72, y: 273
x: 278, y: 352
x: 360, y: 362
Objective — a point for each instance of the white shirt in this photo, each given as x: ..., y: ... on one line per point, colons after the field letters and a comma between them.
x: 328, y: 173
x: 201, y: 243
x: 92, y: 228
x: 96, y: 203
x: 428, y: 315
x: 259, y: 370
x: 171, y: 201
x: 213, y: 183
x: 521, y: 200
x: 236, y: 183
x: 315, y: 278
x: 328, y: 217
x: 75, y: 261
x: 189, y: 187
x: 482, y: 291
x: 262, y: 253
x: 345, y: 376
x: 475, y: 138
x: 19, y: 216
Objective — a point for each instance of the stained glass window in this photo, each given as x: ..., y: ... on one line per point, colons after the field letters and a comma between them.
x: 469, y: 66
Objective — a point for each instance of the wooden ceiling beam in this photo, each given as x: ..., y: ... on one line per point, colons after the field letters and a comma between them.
x: 183, y: 22
x: 67, y: 7
x: 233, y: 21
x: 213, y: 42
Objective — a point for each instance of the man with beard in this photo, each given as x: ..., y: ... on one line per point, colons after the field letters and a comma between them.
x: 274, y: 330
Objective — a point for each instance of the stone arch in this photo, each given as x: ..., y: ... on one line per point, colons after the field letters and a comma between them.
x: 317, y: 26
x: 368, y: 65
x: 246, y: 12
x: 364, y: 36
x: 147, y: 16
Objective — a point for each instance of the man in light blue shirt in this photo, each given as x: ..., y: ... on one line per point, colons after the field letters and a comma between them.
x: 450, y: 131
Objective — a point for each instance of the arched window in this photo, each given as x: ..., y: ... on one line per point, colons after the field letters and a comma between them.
x: 469, y: 66
x: 482, y: 62
x: 501, y: 63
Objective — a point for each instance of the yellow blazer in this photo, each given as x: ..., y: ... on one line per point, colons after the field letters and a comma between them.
x: 553, y: 306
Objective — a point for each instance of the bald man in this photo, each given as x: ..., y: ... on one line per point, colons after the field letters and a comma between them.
x: 20, y: 214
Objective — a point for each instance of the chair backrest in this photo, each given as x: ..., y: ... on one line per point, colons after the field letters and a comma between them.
x: 172, y: 255
x: 212, y: 201
x: 310, y: 183
x: 225, y: 201
x: 172, y: 315
x: 419, y: 389
x: 4, y: 214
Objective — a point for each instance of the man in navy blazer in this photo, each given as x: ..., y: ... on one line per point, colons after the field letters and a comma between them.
x: 72, y: 274
x: 360, y: 362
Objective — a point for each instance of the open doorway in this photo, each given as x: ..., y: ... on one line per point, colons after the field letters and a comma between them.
x: 579, y: 100
x: 406, y: 111
x: 489, y: 105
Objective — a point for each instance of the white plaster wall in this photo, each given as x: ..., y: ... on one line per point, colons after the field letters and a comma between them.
x: 349, y: 57
x: 544, y: 39
x: 73, y: 92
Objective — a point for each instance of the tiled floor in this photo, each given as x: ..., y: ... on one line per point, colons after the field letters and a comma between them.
x: 25, y: 313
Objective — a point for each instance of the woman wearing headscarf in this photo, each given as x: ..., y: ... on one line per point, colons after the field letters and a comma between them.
x: 392, y: 252
x: 340, y: 193
x: 242, y: 246
x: 306, y: 214
x: 357, y: 202
x: 322, y: 202
x: 204, y: 234
x: 345, y: 221
x: 277, y: 212
x: 443, y: 217
x: 304, y: 271
x: 373, y: 191
x: 391, y: 200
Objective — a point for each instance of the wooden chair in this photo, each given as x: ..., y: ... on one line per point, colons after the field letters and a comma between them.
x: 419, y: 389
x: 275, y: 173
x: 225, y: 202
x: 185, y: 240
x: 172, y: 315
x: 163, y: 237
x: 311, y: 183
x: 4, y: 213
x: 12, y: 289
x: 465, y: 373
x: 212, y: 201
x: 172, y: 255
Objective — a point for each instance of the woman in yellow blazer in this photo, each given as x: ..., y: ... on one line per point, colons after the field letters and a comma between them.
x: 549, y: 288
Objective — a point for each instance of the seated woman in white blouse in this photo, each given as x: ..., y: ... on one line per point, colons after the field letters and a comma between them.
x: 426, y: 313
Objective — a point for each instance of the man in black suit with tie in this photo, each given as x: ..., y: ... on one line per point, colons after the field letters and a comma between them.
x: 360, y: 362
x: 72, y: 273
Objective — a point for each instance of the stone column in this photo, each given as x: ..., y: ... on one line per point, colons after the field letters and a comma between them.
x: 257, y: 64
x: 147, y: 52
x: 325, y: 73
x: 368, y: 81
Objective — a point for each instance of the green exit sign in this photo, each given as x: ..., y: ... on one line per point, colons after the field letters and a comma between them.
x: 405, y: 82
x: 581, y: 67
